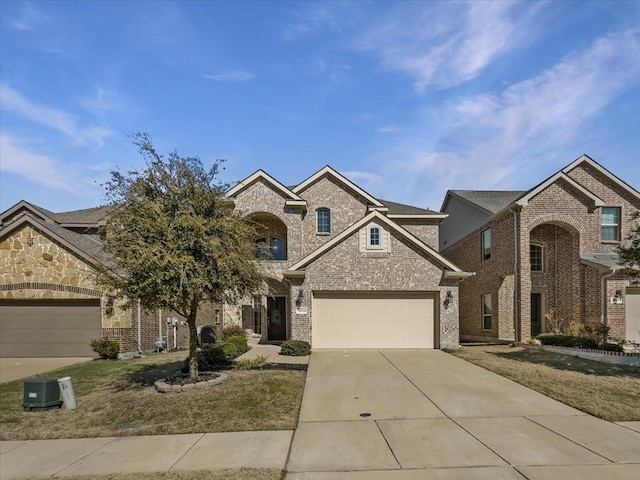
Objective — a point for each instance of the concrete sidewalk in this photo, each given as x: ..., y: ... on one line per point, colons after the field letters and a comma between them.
x: 145, y: 454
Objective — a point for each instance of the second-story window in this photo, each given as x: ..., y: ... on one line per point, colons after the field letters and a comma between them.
x: 323, y: 220
x: 535, y: 255
x: 374, y: 236
x: 277, y: 249
x: 610, y: 224
x: 486, y: 244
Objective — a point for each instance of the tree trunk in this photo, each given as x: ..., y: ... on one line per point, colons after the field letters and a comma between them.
x: 193, y: 345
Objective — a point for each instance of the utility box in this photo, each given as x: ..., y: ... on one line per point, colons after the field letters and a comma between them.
x: 41, y: 394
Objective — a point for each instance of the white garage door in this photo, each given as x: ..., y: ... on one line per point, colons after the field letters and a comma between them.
x: 633, y: 314
x: 54, y: 328
x: 372, y: 320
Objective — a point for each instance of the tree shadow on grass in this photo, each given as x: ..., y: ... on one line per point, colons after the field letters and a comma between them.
x: 562, y: 362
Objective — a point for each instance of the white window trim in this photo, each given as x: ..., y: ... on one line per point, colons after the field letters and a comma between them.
x: 370, y: 246
x: 541, y: 257
x: 484, y: 315
x: 318, y: 232
x: 482, y: 247
x: 617, y: 225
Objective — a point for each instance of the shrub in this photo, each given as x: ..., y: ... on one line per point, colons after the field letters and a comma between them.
x: 566, y: 340
x: 250, y: 363
x: 610, y: 347
x: 240, y: 342
x: 210, y: 357
x: 233, y: 331
x: 106, y: 348
x: 295, y: 348
x: 231, y: 350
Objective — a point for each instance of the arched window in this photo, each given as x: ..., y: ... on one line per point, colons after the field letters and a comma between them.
x: 323, y: 220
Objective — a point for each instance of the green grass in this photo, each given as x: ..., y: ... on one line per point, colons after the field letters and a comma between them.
x: 117, y: 398
x: 610, y: 392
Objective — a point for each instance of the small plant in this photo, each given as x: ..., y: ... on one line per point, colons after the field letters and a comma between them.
x: 106, y: 348
x: 611, y: 347
x: 295, y: 348
x: 532, y: 341
x: 233, y: 331
x: 552, y: 323
x: 251, y: 363
x: 240, y: 342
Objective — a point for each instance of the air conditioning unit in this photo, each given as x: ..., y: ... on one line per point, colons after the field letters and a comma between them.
x: 616, y: 300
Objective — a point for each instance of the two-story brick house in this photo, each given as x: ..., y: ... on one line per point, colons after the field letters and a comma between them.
x: 547, y: 250
x: 345, y: 269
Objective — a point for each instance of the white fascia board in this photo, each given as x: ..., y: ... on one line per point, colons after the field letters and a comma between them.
x: 603, y: 171
x: 294, y: 273
x: 296, y: 203
x: 372, y: 208
x: 328, y: 170
x: 358, y: 225
x: 449, y: 275
x: 261, y: 174
x: 524, y: 200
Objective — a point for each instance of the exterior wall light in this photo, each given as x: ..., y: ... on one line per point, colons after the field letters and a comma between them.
x: 300, y: 298
x: 448, y: 299
x: 108, y: 307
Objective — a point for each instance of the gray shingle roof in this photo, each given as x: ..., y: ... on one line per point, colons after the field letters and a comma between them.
x: 88, y: 216
x: 402, y: 209
x: 491, y: 200
x: 607, y: 260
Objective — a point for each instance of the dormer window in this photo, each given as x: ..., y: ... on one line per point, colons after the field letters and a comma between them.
x: 323, y: 220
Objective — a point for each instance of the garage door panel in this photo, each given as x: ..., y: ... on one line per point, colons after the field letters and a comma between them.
x: 373, y: 320
x: 64, y: 329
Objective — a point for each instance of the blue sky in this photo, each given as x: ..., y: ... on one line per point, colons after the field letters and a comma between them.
x: 407, y: 99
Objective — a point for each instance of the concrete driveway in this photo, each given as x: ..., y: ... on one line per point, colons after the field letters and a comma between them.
x: 414, y: 414
x: 16, y: 368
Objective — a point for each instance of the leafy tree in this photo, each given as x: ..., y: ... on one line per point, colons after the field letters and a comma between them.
x: 175, y: 240
x: 629, y: 251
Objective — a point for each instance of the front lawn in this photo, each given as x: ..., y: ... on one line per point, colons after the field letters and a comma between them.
x: 610, y: 392
x: 117, y: 398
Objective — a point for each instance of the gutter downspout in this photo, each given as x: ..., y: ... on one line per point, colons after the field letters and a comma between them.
x: 516, y: 274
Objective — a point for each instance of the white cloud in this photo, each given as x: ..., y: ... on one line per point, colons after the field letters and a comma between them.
x: 230, y: 75
x: 490, y: 137
x: 446, y: 44
x: 17, y: 158
x: 52, y: 118
x: 367, y: 180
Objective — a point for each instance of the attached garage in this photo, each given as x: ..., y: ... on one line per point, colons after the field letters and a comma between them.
x: 373, y: 320
x: 632, y: 320
x: 49, y: 328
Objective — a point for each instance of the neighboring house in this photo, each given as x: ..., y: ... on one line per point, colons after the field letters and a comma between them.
x: 345, y: 269
x: 50, y: 304
x: 544, y: 253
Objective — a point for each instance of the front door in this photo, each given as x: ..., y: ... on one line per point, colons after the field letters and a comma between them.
x: 536, y: 314
x: 276, y: 318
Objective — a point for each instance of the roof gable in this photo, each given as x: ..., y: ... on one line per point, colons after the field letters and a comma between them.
x: 591, y: 162
x: 328, y: 171
x: 378, y: 217
x: 292, y: 198
x: 523, y: 201
x: 84, y: 246
x: 25, y: 207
